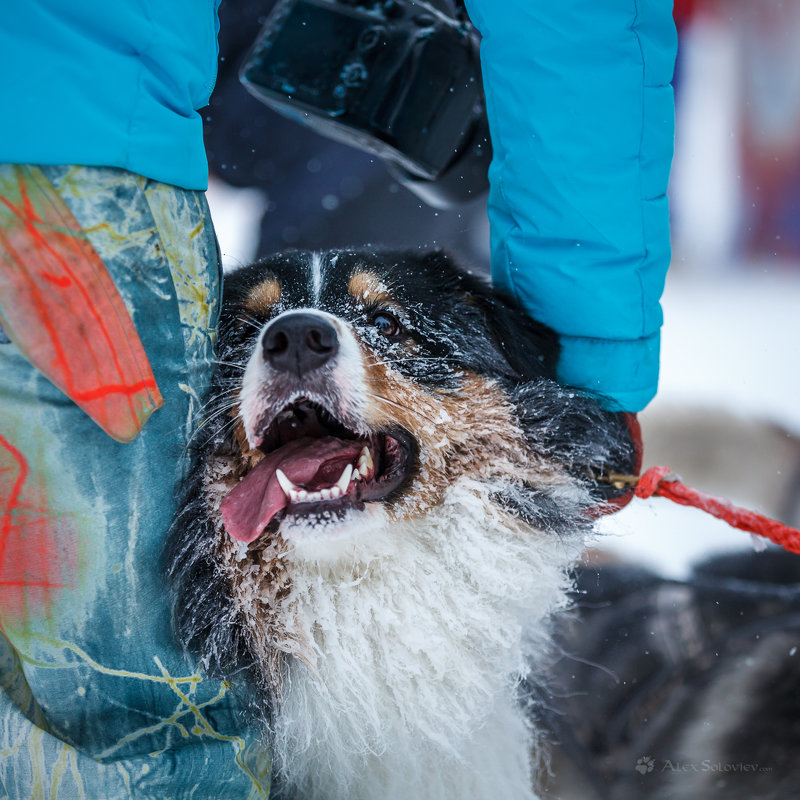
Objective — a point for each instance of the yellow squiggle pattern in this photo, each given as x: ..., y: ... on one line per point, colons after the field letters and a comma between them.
x: 201, y: 727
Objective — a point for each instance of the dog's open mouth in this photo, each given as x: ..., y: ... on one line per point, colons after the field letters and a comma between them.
x: 314, y: 465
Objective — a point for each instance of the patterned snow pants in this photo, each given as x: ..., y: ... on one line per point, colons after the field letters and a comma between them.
x: 109, y: 292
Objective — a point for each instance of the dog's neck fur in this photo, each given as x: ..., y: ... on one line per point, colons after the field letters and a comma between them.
x: 415, y: 657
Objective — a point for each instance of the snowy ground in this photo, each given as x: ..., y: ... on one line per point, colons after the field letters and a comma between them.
x: 731, y: 340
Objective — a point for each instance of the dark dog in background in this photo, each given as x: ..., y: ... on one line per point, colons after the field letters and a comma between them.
x: 389, y: 492
x: 679, y: 690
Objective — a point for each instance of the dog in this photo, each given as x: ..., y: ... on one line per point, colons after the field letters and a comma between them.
x: 390, y: 488
x: 677, y: 690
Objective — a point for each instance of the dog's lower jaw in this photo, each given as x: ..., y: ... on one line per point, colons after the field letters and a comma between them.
x: 410, y: 684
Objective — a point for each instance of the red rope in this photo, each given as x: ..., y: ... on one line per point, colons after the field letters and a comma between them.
x: 660, y: 481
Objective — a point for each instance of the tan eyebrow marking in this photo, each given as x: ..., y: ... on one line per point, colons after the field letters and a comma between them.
x: 368, y: 288
x: 263, y: 296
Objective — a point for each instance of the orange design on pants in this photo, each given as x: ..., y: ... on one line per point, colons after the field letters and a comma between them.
x: 36, y: 552
x: 61, y: 309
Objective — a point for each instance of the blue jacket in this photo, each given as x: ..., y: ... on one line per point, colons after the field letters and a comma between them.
x: 581, y: 116
x: 109, y: 83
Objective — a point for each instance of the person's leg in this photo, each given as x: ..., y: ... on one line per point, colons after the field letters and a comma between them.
x: 97, y: 698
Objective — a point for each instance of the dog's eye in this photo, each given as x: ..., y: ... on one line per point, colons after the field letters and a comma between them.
x: 386, y: 324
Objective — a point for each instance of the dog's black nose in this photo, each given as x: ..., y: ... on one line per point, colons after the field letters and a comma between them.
x: 299, y: 342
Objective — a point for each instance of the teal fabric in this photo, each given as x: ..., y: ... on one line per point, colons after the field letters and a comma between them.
x: 581, y: 114
x: 109, y: 83
x: 97, y: 699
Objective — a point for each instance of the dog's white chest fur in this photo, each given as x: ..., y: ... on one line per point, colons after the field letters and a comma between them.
x: 417, y: 655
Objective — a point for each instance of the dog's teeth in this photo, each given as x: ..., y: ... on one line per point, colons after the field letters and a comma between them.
x: 365, y: 463
x: 298, y: 495
x: 367, y: 456
x: 287, y: 486
x: 344, y: 480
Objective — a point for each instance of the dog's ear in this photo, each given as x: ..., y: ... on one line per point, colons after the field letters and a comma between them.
x: 529, y: 347
x: 572, y: 429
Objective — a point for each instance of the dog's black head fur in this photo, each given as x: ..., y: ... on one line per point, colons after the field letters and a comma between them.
x: 453, y: 317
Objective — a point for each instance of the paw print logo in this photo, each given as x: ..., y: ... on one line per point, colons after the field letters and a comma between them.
x: 645, y: 764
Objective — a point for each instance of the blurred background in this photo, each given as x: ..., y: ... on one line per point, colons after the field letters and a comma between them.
x: 727, y: 417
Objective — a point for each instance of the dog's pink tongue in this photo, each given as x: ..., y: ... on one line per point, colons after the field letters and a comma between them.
x: 247, y: 510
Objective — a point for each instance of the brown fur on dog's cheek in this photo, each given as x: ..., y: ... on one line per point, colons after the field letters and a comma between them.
x: 262, y: 297
x: 467, y: 432
x: 261, y: 587
x: 250, y: 456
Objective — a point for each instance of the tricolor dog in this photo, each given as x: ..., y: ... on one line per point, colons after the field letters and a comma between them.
x: 390, y: 489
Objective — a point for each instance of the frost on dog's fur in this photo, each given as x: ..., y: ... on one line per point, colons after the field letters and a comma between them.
x: 415, y: 657
x: 384, y: 645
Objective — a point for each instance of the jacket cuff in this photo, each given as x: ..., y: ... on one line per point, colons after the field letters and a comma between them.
x: 621, y: 373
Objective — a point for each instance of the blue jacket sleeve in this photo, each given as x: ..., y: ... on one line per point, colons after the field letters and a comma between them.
x: 581, y: 115
x: 110, y: 84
